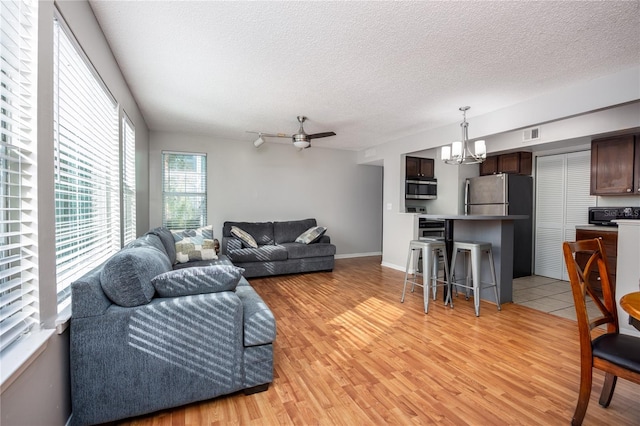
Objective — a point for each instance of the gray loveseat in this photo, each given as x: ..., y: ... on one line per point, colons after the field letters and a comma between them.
x: 165, y: 338
x: 277, y: 251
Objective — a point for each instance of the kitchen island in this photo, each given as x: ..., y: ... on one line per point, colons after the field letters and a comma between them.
x: 497, y: 230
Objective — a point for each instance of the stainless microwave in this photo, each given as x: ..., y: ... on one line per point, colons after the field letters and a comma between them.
x: 426, y: 189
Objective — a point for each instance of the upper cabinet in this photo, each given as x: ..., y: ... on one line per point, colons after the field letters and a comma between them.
x: 514, y: 162
x: 489, y: 166
x: 417, y: 167
x: 615, y: 165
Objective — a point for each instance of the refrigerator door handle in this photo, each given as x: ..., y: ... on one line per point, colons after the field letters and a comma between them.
x: 466, y: 197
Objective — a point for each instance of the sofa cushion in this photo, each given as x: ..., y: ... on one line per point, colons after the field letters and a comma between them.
x: 311, y: 235
x: 260, y: 254
x: 167, y: 240
x: 148, y: 240
x: 188, y: 281
x: 247, y: 239
x: 262, y: 232
x: 288, y: 231
x: 301, y: 251
x: 126, y: 277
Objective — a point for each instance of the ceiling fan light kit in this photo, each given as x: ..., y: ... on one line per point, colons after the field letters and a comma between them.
x: 258, y: 142
x: 301, y: 140
x: 459, y: 153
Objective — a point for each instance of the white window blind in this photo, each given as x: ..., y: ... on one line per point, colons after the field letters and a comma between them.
x: 184, y: 190
x: 18, y: 252
x: 128, y: 181
x: 87, y: 162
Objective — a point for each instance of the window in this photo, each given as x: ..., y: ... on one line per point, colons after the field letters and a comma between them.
x: 184, y: 190
x: 128, y: 181
x: 87, y: 166
x: 18, y: 251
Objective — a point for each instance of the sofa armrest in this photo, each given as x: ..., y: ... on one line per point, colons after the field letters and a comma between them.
x: 259, y: 322
x: 184, y: 343
x: 324, y: 239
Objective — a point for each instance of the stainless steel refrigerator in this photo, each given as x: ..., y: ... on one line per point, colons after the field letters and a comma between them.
x: 501, y: 195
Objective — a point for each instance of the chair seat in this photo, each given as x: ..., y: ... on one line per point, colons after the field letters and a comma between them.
x: 619, y: 349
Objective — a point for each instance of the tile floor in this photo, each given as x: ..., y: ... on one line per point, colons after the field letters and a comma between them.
x: 547, y: 295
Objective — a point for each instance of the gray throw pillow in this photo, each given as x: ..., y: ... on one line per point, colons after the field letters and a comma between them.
x: 197, y: 280
x: 126, y: 277
x: 311, y: 235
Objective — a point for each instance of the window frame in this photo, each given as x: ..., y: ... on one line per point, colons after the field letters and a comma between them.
x: 128, y: 179
x: 200, y: 192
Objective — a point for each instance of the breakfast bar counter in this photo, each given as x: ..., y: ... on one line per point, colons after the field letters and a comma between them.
x: 497, y: 230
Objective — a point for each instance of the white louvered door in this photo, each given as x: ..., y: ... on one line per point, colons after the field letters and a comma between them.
x: 562, y: 202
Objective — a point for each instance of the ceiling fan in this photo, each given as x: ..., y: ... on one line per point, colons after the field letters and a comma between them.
x: 301, y: 140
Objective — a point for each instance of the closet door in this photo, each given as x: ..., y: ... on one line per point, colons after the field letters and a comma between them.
x: 562, y: 202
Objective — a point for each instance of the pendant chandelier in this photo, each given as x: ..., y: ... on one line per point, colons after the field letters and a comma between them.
x: 459, y: 152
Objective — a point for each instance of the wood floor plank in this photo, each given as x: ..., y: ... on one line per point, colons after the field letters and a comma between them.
x: 348, y: 352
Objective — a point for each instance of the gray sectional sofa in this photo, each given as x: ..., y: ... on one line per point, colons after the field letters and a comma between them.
x: 277, y: 251
x: 145, y: 337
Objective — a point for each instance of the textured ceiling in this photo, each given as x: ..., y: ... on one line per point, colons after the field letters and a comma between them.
x: 370, y: 71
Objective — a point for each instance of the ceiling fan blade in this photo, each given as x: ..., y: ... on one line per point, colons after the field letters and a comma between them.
x: 270, y: 135
x: 321, y: 135
x: 276, y: 135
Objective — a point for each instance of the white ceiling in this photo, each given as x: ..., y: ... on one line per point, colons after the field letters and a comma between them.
x: 370, y: 71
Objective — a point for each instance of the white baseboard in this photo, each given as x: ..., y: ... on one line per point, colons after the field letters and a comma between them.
x: 393, y: 266
x: 347, y: 256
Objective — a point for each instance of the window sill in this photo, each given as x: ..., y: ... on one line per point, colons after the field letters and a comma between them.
x: 23, y: 353
x: 62, y: 322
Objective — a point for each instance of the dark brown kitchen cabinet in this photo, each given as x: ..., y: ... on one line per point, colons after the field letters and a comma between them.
x: 610, y: 241
x: 489, y: 166
x: 615, y: 165
x: 417, y: 167
x: 514, y: 162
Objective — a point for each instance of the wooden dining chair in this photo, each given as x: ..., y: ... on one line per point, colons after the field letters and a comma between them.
x: 618, y: 355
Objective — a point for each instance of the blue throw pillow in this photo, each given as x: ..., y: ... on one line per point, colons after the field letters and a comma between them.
x: 126, y: 277
x: 197, y: 280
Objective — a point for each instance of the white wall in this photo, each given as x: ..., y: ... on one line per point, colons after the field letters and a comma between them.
x: 40, y: 393
x: 278, y: 182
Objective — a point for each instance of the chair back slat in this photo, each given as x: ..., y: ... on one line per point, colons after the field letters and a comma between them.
x: 583, y: 291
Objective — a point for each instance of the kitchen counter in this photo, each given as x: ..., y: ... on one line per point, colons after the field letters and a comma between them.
x: 473, y: 217
x: 601, y: 228
x: 497, y: 230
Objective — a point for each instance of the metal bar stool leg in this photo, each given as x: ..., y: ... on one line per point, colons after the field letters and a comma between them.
x: 426, y: 277
x: 435, y: 263
x: 476, y: 258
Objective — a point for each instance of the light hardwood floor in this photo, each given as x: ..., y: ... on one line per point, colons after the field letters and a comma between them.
x: 349, y: 353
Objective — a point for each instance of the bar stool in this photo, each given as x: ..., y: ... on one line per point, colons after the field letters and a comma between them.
x: 431, y: 251
x: 473, y: 251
